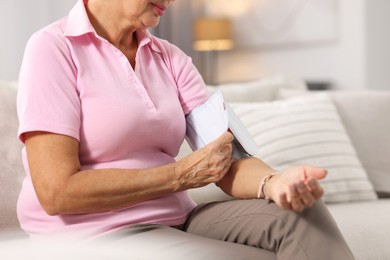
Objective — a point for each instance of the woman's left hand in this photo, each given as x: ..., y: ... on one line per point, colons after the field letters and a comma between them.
x: 296, y: 188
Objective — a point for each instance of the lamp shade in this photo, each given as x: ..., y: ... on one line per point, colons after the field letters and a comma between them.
x: 212, y: 34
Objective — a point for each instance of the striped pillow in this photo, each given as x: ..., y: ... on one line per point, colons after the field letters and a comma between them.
x: 308, y: 130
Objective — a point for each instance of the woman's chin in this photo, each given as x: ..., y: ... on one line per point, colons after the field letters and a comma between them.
x: 152, y: 22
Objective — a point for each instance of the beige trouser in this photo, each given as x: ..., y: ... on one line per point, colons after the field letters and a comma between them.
x: 240, y: 229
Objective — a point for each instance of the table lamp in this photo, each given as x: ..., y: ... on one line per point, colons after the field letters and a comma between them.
x: 212, y: 34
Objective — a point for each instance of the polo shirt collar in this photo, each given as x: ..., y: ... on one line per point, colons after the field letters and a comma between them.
x: 144, y: 37
x: 78, y: 24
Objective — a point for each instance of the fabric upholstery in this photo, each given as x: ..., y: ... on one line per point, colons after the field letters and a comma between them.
x: 363, y: 114
x: 308, y: 130
x: 11, y: 170
x: 365, y: 225
x: 366, y: 116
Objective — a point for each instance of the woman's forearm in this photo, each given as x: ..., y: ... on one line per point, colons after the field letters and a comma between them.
x: 62, y: 188
x: 244, y: 177
x: 92, y: 191
x: 295, y: 188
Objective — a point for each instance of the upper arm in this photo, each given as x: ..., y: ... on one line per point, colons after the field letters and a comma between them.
x: 48, y: 98
x: 52, y: 160
x: 191, y: 87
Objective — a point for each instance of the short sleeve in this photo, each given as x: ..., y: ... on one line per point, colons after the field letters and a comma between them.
x: 192, y: 89
x: 48, y: 99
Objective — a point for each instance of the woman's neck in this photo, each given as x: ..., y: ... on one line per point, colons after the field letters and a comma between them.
x: 117, y: 31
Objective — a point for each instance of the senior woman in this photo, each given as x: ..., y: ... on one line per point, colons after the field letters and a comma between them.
x: 102, y: 106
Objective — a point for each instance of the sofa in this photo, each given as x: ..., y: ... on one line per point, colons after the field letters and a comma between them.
x: 347, y: 132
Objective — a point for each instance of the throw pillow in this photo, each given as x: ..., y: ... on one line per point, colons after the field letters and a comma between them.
x: 308, y: 130
x: 362, y: 113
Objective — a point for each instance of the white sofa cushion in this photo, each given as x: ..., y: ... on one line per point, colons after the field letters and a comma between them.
x: 365, y: 226
x: 11, y: 170
x: 366, y: 116
x: 308, y: 130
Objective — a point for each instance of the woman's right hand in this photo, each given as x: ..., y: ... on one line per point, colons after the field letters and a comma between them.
x: 206, y: 165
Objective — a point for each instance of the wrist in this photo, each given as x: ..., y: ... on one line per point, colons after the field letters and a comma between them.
x: 264, y: 191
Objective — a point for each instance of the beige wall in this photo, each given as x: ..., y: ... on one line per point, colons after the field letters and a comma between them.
x: 358, y: 58
x: 18, y: 20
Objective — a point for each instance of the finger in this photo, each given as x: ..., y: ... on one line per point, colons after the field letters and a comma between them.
x: 228, y: 149
x: 226, y: 156
x: 283, y: 203
x: 224, y: 170
x: 227, y: 163
x: 316, y: 188
x: 315, y: 173
x: 296, y: 203
x: 305, y: 194
x: 225, y: 138
x: 221, y: 141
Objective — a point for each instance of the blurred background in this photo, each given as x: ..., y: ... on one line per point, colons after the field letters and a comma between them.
x: 340, y: 44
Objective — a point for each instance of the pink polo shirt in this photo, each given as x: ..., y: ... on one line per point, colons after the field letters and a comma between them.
x: 75, y: 83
